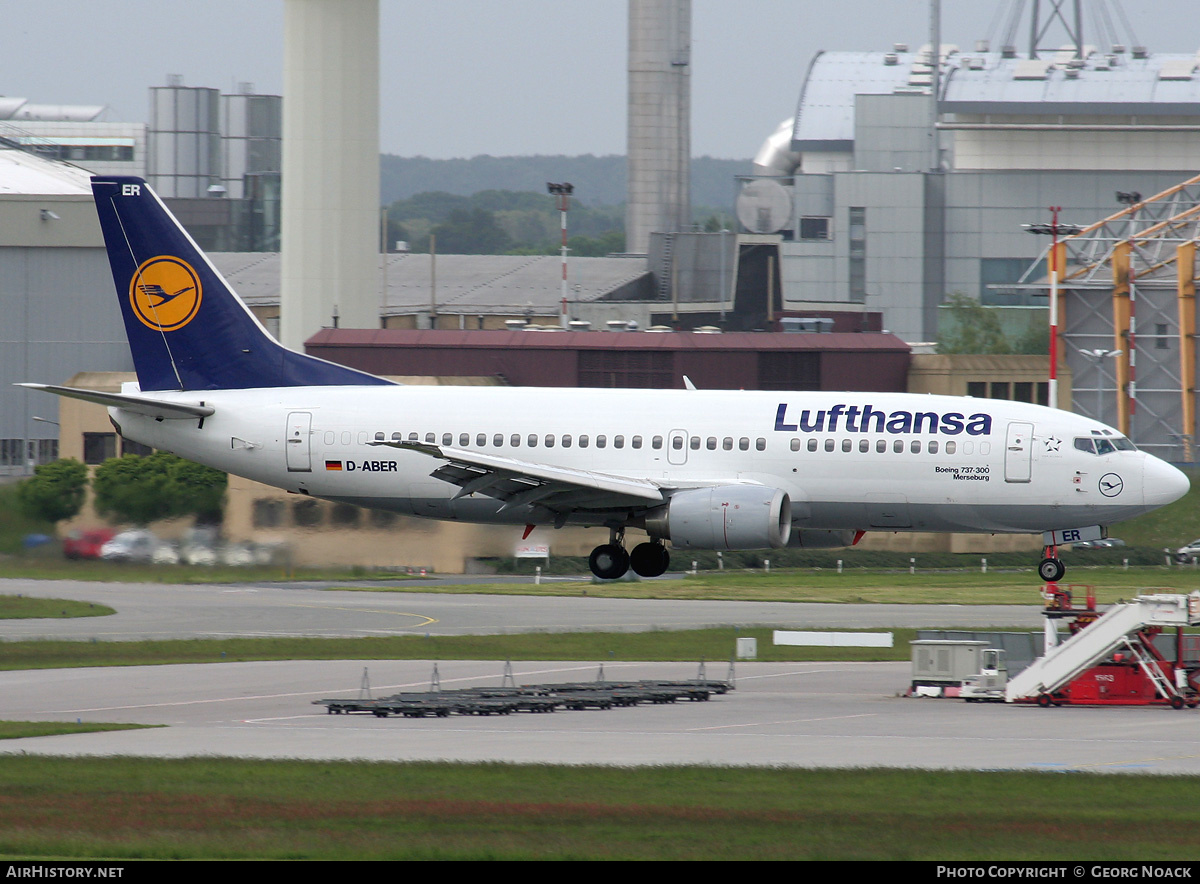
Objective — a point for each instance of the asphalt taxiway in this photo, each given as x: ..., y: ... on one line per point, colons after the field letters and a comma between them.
x: 793, y: 714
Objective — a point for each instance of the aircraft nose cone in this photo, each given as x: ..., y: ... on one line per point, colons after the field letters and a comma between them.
x: 1162, y: 483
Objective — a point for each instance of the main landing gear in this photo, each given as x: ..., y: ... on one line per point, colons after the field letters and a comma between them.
x: 1050, y: 569
x: 610, y: 561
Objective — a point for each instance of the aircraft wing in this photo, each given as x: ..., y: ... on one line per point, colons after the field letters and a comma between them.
x: 517, y: 482
x: 155, y: 408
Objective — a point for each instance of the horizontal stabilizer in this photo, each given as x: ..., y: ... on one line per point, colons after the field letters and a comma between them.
x: 155, y: 408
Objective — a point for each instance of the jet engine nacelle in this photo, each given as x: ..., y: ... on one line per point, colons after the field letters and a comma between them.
x: 817, y: 538
x: 724, y: 517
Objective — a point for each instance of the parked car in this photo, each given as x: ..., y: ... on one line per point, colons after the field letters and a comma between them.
x: 1189, y: 552
x: 137, y: 545
x: 1106, y: 543
x: 166, y: 553
x: 86, y: 544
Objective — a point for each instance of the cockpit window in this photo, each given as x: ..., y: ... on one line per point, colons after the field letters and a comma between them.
x: 1103, y: 444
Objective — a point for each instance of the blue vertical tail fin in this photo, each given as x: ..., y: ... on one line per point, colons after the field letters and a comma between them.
x: 187, y: 328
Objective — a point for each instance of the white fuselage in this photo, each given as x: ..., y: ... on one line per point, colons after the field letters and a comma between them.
x: 856, y: 461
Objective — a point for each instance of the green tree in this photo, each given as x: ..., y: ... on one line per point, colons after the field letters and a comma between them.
x: 143, y: 489
x: 197, y: 490
x: 55, y: 491
x: 133, y: 488
x: 970, y: 327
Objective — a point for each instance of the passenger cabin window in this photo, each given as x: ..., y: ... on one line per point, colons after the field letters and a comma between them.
x: 829, y: 445
x: 933, y: 447
x: 532, y: 440
x: 566, y: 441
x: 379, y: 437
x: 656, y: 443
x: 695, y: 443
x: 743, y: 444
x: 881, y: 446
x: 498, y: 440
x: 711, y: 443
x: 601, y: 441
x: 480, y: 440
x: 951, y: 447
x: 515, y: 440
x: 430, y: 438
x: 635, y: 442
x: 618, y: 441
x: 760, y: 443
x: 864, y: 445
x: 447, y: 438
x: 464, y: 440
x: 795, y: 444
x: 727, y: 444
x: 549, y: 440
x: 847, y: 445
x: 583, y: 441
x: 812, y: 444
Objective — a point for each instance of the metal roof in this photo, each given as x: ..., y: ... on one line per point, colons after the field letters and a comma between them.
x: 478, y: 283
x: 1157, y: 85
x: 596, y: 340
x: 825, y: 114
x: 986, y: 82
x: 29, y: 175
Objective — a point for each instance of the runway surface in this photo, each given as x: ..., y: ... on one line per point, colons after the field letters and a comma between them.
x: 804, y: 714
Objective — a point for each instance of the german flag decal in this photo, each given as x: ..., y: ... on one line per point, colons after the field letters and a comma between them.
x: 335, y: 465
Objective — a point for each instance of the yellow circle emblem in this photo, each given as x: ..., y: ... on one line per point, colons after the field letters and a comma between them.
x: 165, y: 293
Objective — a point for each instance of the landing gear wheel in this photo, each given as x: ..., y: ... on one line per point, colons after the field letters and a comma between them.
x: 609, y: 562
x: 1051, y: 570
x: 649, y: 559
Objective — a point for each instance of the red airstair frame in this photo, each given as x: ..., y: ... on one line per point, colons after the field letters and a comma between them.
x: 1120, y: 680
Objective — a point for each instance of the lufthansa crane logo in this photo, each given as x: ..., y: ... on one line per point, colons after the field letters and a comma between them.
x: 1111, y: 484
x: 165, y: 293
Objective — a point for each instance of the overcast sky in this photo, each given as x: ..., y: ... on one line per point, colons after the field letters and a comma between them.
x: 501, y: 77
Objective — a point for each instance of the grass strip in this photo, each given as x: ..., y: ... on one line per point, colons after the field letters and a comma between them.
x: 20, y: 607
x: 15, y: 730
x: 859, y: 587
x: 128, y: 808
x: 660, y: 645
x: 34, y: 567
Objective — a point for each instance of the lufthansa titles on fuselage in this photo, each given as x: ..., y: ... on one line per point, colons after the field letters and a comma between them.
x: 865, y: 419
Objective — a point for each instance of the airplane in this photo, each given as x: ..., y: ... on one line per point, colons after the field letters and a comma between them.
x: 698, y: 469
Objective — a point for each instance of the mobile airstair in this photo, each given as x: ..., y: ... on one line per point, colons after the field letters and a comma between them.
x: 1120, y: 630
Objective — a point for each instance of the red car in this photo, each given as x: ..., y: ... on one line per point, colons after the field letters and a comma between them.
x: 86, y: 544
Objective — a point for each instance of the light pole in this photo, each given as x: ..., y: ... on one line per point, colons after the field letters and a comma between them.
x: 1098, y: 356
x: 1053, y: 229
x: 563, y: 192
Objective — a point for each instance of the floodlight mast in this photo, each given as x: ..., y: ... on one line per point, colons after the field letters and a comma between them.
x: 1055, y: 256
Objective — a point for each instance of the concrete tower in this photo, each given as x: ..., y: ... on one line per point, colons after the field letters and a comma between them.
x: 659, y: 119
x: 330, y: 225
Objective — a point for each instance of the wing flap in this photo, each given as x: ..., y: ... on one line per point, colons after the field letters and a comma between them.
x: 517, y: 482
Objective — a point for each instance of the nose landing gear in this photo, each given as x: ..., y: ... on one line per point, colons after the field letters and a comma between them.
x: 610, y: 561
x: 1050, y: 569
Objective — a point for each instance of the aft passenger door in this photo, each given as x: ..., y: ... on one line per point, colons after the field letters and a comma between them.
x: 299, y: 442
x: 1018, y: 452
